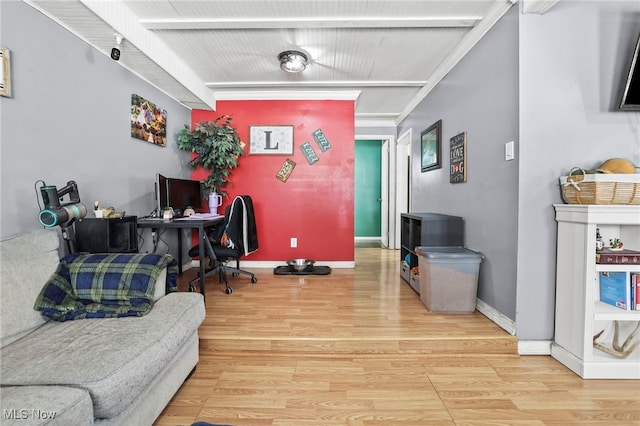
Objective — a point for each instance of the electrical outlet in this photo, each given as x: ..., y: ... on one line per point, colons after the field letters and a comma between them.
x: 294, y: 242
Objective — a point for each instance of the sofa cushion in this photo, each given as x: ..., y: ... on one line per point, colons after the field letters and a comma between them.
x: 43, y: 405
x: 113, y: 358
x: 26, y: 263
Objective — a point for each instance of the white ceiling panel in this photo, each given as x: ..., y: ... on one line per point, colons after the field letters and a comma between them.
x: 390, y: 52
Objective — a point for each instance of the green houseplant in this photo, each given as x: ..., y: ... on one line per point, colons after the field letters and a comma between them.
x: 217, y: 147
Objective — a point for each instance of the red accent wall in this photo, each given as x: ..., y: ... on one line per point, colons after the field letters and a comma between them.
x: 315, y: 205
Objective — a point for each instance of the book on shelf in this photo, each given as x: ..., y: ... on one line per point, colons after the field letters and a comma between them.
x: 618, y: 257
x: 615, y: 289
x: 635, y: 287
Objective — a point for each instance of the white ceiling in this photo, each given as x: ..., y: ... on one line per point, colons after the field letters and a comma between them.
x: 385, y: 54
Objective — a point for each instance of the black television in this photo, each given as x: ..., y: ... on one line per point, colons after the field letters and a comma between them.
x: 182, y: 193
x: 631, y: 94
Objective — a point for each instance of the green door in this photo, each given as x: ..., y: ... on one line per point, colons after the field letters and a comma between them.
x: 368, y: 174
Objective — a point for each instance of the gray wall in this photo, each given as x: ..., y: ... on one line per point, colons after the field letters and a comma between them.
x: 551, y: 83
x: 479, y: 97
x: 573, y: 62
x: 68, y: 119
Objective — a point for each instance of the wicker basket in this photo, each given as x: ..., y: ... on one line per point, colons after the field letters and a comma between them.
x: 601, y: 188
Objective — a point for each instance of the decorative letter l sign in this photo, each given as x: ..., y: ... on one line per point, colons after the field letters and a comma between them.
x: 276, y: 140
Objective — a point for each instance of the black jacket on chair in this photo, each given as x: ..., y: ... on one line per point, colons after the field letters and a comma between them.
x: 236, y: 237
x: 242, y: 232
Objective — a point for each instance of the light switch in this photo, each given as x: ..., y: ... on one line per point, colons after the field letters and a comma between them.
x: 508, y: 151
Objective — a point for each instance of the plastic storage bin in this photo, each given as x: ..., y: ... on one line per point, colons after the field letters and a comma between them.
x: 448, y: 278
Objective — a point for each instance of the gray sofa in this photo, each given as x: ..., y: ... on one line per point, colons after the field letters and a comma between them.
x: 108, y: 371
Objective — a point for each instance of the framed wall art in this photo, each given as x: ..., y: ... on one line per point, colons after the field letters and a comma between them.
x: 148, y: 121
x: 430, y: 147
x: 458, y: 158
x: 271, y: 140
x: 5, y: 73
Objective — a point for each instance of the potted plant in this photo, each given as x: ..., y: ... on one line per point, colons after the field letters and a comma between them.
x: 217, y: 147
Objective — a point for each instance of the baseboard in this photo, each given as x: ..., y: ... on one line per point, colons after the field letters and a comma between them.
x: 501, y: 320
x: 274, y: 263
x: 525, y: 347
x: 534, y: 347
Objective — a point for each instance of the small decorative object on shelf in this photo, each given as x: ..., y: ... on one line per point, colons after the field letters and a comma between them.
x: 618, y: 350
x: 615, y: 244
x: 167, y: 213
x: 599, y: 241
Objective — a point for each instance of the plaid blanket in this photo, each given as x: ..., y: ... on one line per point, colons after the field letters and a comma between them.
x: 104, y: 285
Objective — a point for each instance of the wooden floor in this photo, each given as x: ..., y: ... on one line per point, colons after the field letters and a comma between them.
x: 357, y: 347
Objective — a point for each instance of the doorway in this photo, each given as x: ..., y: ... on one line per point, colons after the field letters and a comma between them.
x: 368, y: 190
x: 385, y: 167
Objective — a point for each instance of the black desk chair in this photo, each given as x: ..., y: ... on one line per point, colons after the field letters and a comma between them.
x: 235, y: 237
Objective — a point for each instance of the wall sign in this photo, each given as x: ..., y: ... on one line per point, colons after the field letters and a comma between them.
x: 274, y: 140
x: 286, y: 170
x: 458, y: 158
x: 321, y: 140
x: 309, y: 153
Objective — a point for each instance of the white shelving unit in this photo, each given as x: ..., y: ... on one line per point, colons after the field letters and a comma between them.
x: 579, y: 312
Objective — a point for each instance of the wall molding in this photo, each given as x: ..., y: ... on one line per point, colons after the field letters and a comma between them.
x: 501, y: 320
x: 534, y: 347
x: 275, y: 263
x: 525, y: 347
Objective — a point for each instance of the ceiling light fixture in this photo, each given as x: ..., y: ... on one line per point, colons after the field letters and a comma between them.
x: 293, y: 61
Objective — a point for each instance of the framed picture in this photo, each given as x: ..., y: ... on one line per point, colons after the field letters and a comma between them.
x: 5, y: 73
x: 273, y: 140
x: 458, y: 158
x: 430, y: 147
x: 148, y: 121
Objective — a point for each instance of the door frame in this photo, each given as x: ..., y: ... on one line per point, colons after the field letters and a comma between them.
x: 402, y: 182
x: 388, y: 182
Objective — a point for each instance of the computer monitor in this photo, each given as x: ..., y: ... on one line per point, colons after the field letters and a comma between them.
x: 183, y: 193
x: 162, y: 199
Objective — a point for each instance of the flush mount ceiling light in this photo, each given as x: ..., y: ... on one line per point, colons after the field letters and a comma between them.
x: 292, y: 61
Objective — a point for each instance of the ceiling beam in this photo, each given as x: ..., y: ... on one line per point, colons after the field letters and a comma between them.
x: 119, y: 17
x: 537, y: 6
x: 324, y: 22
x: 329, y: 83
x: 261, y: 95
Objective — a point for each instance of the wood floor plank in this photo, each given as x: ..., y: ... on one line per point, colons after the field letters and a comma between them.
x: 358, y: 348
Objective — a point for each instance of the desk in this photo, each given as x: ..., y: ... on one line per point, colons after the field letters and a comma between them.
x: 179, y: 224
